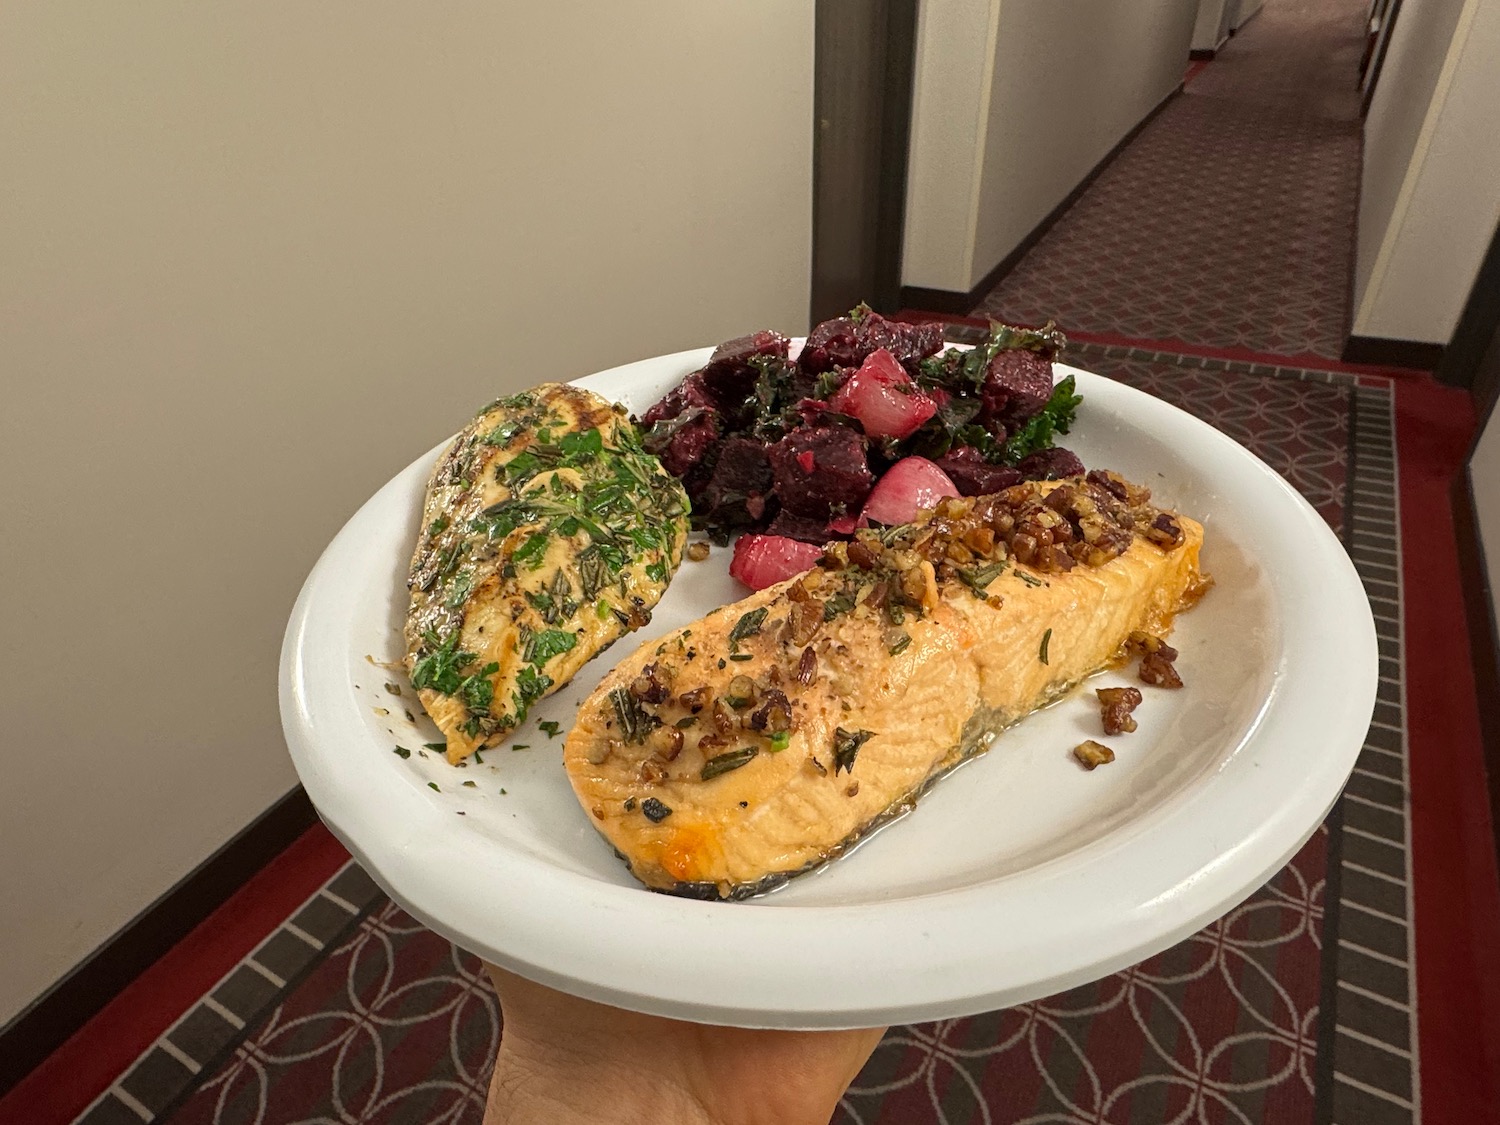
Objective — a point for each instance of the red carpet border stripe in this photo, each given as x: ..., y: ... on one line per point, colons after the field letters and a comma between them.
x: 83, y: 1067
x: 1456, y: 898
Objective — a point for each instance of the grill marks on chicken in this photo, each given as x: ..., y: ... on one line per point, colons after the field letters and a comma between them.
x: 547, y: 533
x: 771, y: 735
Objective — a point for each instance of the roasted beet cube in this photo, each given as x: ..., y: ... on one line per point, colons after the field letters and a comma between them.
x: 909, y: 343
x: 806, y: 529
x: 834, y: 343
x: 973, y: 475
x: 840, y: 477
x: 1050, y: 464
x: 729, y: 374
x: 734, y: 490
x: 690, y: 392
x: 1017, y: 384
x: 682, y: 441
x: 847, y: 342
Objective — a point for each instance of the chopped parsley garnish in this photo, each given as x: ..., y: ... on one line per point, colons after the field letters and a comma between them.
x: 538, y: 648
x: 478, y: 690
x: 901, y: 645
x: 520, y: 746
x: 533, y: 552
x: 433, y: 786
x: 530, y: 686
x: 1029, y: 579
x: 471, y: 785
x: 402, y: 752
x: 441, y: 668
x: 780, y: 741
x: 1046, y: 640
x: 440, y: 747
x: 549, y: 727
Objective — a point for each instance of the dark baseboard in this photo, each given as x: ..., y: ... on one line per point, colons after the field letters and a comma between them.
x: 1484, y: 647
x: 1380, y: 352
x: 74, y: 1000
x: 949, y: 301
x: 1202, y: 54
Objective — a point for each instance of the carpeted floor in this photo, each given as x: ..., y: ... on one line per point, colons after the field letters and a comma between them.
x: 1229, y: 221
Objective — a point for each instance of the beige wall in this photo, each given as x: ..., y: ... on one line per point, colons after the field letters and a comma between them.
x: 1212, y: 25
x: 253, y: 259
x: 1015, y: 101
x: 1431, y: 188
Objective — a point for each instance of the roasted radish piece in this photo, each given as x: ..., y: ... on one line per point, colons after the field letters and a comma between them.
x: 883, y: 398
x: 911, y: 484
x: 764, y: 560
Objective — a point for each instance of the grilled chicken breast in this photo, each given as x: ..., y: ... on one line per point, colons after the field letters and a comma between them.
x: 547, y: 533
x: 771, y: 735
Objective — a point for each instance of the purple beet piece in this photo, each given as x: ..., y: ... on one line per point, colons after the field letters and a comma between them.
x: 843, y: 342
x: 974, y: 476
x: 682, y: 441
x: 1050, y: 464
x: 805, y: 529
x: 690, y: 392
x: 735, y: 491
x: 909, y: 343
x: 834, y: 343
x: 1017, y: 384
x: 729, y: 375
x: 821, y: 471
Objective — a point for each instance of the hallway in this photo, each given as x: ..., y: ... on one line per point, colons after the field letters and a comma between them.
x: 1229, y: 221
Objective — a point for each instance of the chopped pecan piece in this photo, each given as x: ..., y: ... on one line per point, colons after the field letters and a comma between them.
x: 1091, y: 754
x: 1164, y: 531
x: 648, y: 687
x: 1115, y: 706
x: 694, y: 700
x: 1156, y: 660
x: 807, y: 666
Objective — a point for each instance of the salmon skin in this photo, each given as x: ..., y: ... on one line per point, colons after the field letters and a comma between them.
x: 770, y: 736
x: 547, y: 533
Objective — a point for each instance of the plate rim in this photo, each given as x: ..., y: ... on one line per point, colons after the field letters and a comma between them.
x: 922, y: 976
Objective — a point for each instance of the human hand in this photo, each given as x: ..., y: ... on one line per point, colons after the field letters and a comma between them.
x: 564, y: 1060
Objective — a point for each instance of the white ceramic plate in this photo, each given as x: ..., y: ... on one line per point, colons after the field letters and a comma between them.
x: 1018, y: 876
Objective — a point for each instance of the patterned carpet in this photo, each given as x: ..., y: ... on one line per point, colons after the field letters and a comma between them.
x: 353, y: 1012
x: 1229, y: 221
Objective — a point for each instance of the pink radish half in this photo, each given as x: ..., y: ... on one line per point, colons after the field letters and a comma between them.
x: 764, y: 560
x: 911, y: 484
x: 883, y: 397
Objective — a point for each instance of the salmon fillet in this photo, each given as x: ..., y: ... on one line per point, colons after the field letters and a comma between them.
x: 547, y: 534
x: 768, y: 737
